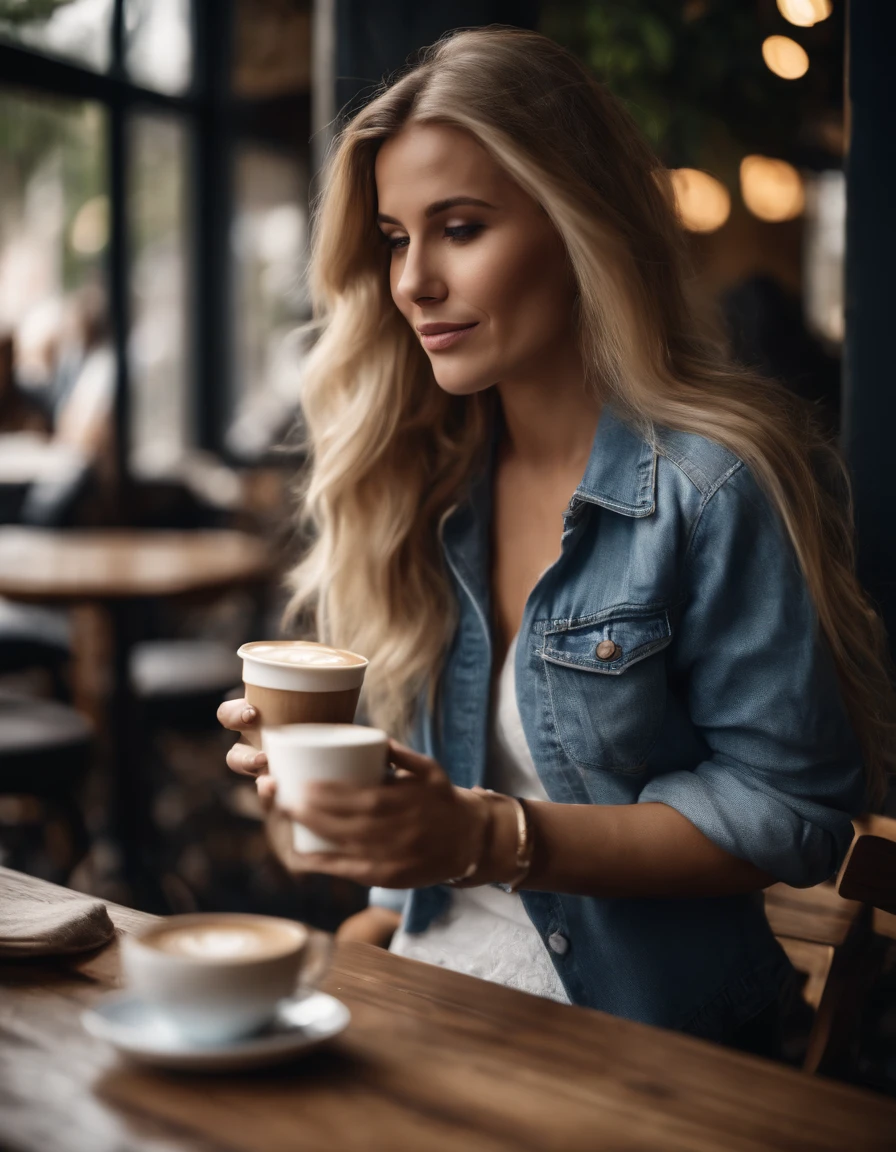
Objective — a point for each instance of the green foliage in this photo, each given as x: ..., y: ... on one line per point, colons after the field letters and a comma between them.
x: 18, y: 12
x: 39, y: 131
x: 691, y: 72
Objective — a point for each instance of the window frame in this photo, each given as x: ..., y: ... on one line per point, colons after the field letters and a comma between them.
x: 205, y: 111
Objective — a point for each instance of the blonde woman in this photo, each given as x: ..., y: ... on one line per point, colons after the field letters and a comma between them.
x: 589, y: 560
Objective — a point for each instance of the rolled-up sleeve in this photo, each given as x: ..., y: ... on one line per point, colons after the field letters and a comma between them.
x: 784, y: 773
x: 392, y: 898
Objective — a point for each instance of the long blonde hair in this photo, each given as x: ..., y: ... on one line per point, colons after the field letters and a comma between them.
x: 391, y: 453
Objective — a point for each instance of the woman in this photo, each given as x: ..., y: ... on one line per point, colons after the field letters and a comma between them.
x: 586, y: 557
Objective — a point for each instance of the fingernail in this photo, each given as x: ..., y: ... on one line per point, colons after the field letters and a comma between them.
x: 249, y: 715
x: 260, y: 760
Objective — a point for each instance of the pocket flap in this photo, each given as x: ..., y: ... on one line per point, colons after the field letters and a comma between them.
x: 633, y: 633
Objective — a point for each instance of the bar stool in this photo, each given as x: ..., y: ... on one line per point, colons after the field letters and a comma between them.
x: 44, y: 754
x: 35, y: 637
x: 180, y: 683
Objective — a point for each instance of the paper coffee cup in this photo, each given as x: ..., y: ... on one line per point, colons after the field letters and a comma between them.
x: 300, y: 682
x: 300, y: 753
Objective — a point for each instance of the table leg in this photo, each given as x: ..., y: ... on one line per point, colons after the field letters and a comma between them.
x: 131, y: 792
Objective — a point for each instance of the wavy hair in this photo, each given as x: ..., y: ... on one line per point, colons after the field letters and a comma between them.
x: 390, y: 453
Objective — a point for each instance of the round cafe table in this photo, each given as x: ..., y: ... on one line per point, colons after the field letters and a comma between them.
x: 116, y: 569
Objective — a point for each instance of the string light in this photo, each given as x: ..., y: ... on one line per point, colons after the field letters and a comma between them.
x: 785, y: 57
x: 771, y: 189
x: 703, y: 202
x: 805, y: 13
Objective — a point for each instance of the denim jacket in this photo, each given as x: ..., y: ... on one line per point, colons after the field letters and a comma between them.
x: 720, y: 699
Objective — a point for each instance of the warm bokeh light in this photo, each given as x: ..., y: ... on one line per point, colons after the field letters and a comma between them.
x: 772, y: 189
x: 805, y: 13
x: 785, y: 57
x: 703, y: 202
x: 90, y: 227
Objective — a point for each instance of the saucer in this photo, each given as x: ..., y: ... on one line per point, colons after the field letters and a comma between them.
x: 136, y: 1030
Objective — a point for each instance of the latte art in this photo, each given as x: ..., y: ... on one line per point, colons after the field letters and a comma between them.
x: 226, y: 943
x: 302, y: 653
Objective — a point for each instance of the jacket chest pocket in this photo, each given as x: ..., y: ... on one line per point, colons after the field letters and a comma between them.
x: 606, y: 678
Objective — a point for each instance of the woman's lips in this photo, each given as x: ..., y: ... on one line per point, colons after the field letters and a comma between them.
x: 439, y: 341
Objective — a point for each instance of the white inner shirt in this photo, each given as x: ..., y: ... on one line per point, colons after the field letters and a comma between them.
x: 486, y: 932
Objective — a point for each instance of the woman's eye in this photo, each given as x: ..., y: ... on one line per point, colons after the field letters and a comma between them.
x: 455, y: 232
x: 463, y: 231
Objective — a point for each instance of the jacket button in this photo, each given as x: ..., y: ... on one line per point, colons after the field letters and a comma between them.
x: 606, y: 650
x: 558, y: 943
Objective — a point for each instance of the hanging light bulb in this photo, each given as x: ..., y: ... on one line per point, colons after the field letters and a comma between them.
x: 772, y: 189
x: 805, y: 13
x: 703, y: 202
x: 785, y: 57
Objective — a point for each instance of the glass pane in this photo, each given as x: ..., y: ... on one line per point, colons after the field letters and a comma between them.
x: 159, y: 353
x: 271, y: 47
x: 79, y: 30
x: 269, y: 238
x: 824, y: 253
x: 159, y: 44
x: 54, y: 229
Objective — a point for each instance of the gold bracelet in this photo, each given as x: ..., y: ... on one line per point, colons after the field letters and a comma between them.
x: 475, y: 864
x: 525, y: 842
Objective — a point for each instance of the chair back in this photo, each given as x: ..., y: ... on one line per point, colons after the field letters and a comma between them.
x: 869, y: 870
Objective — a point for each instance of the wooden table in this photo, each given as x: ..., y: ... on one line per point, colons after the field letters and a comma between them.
x: 432, y: 1062
x: 115, y: 569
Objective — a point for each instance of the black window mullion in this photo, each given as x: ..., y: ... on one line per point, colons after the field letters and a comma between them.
x: 212, y: 184
x: 118, y: 270
x: 24, y: 68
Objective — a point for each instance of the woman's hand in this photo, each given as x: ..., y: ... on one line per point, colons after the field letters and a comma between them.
x: 371, y: 925
x: 415, y: 829
x: 245, y: 756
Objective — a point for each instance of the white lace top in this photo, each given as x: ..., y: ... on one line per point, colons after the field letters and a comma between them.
x: 486, y: 931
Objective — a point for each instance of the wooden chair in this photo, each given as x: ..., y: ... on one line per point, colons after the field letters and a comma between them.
x: 836, y: 934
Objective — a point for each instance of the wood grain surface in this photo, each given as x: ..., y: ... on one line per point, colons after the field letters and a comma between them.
x: 432, y: 1061
x: 65, y: 565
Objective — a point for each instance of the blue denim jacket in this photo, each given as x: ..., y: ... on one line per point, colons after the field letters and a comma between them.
x: 720, y: 700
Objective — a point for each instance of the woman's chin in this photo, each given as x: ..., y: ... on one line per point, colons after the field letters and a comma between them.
x: 461, y: 383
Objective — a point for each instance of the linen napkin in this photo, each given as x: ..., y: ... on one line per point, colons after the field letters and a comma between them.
x: 29, y: 927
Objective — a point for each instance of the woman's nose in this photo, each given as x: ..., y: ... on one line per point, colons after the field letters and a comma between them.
x: 420, y: 278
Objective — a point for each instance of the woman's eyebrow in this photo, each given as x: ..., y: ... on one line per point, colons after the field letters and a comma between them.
x: 440, y: 206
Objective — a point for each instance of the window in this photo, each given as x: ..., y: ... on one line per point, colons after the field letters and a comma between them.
x: 154, y: 171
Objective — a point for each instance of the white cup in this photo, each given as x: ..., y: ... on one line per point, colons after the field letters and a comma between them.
x: 300, y: 753
x: 220, y: 983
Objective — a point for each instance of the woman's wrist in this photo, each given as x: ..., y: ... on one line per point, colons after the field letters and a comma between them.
x: 499, y: 863
x: 478, y: 841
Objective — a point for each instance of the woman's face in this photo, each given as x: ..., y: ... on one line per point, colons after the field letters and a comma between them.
x: 477, y: 268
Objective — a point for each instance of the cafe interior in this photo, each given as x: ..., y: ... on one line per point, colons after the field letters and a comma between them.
x: 158, y: 164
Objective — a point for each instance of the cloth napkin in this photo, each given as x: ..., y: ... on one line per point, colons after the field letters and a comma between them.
x: 31, y: 928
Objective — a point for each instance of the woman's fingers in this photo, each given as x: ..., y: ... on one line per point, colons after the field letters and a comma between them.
x: 246, y: 760
x: 237, y: 715
x: 406, y: 758
x: 344, y: 799
x: 266, y: 787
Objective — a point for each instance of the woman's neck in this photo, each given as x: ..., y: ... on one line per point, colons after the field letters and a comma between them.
x: 550, y: 417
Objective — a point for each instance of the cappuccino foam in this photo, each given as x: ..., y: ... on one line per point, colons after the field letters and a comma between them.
x: 302, y: 653
x: 302, y: 666
x: 226, y: 942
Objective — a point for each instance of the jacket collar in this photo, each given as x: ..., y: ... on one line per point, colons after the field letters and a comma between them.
x: 621, y: 470
x: 620, y: 475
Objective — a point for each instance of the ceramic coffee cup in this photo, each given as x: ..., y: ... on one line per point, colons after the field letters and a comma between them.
x: 219, y: 976
x: 300, y: 753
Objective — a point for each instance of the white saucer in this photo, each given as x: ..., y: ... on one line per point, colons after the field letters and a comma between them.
x: 133, y: 1027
